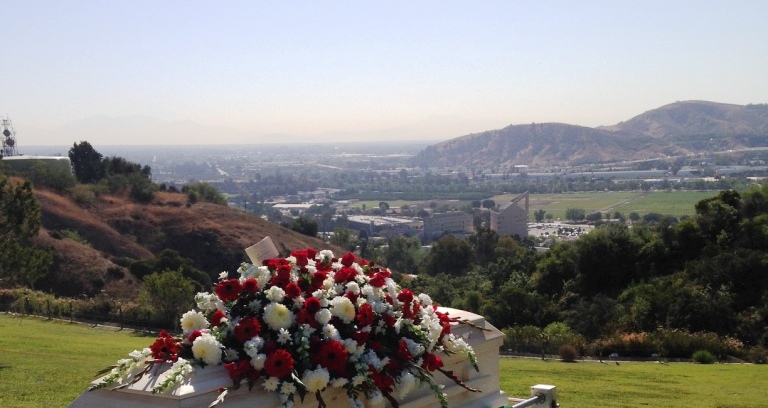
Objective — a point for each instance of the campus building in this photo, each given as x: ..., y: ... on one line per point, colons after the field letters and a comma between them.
x: 453, y: 222
x: 511, y: 218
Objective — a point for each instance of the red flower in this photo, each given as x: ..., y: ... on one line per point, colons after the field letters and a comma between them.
x: 332, y: 355
x: 388, y: 319
x: 311, y: 253
x: 348, y: 259
x: 251, y: 285
x: 402, y: 351
x: 361, y: 336
x: 279, y: 364
x: 216, y: 318
x: 292, y: 290
x: 165, y: 347
x: 431, y: 362
x: 195, y: 334
x: 282, y: 277
x: 317, y: 280
x: 378, y: 280
x: 229, y: 289
x: 247, y: 329
x: 238, y: 369
x: 345, y: 274
x: 312, y: 304
x: 301, y: 257
x: 405, y: 296
x: 382, y: 380
x: 365, y: 315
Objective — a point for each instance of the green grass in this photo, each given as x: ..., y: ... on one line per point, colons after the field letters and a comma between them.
x: 49, y: 363
x: 636, y: 384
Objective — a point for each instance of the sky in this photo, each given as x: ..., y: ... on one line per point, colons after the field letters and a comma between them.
x: 202, y: 72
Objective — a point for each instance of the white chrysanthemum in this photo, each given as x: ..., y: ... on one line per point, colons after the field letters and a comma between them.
x: 376, y: 399
x: 206, y: 301
x: 325, y: 254
x: 298, y: 302
x: 406, y: 384
x: 360, y: 277
x: 275, y: 294
x: 207, y: 348
x: 287, y: 388
x: 253, y: 346
x: 339, y: 382
x: 328, y: 283
x: 357, y: 380
x: 368, y: 291
x: 350, y: 345
x: 323, y: 316
x: 425, y: 300
x: 283, y: 336
x: 271, y: 384
x: 343, y: 308
x: 315, y: 380
x: 257, y: 361
x: 278, y: 316
x: 330, y: 332
x: 193, y: 320
x: 291, y: 259
x: 353, y: 287
x: 311, y: 268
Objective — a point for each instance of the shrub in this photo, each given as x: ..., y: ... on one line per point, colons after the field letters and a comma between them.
x: 703, y: 357
x: 568, y: 353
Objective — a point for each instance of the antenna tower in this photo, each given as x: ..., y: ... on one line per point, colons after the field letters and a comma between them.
x: 8, y: 138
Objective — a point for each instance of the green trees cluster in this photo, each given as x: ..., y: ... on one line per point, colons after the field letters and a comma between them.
x: 707, y: 273
x: 116, y: 173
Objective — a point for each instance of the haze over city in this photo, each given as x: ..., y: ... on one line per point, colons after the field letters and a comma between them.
x: 174, y: 72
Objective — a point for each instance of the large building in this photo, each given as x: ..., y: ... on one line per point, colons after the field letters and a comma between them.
x: 453, y: 222
x: 511, y: 218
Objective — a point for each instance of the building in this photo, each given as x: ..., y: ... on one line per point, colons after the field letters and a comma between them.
x: 453, y: 222
x: 511, y: 218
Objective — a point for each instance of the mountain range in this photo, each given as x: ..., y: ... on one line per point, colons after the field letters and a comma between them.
x: 677, y: 129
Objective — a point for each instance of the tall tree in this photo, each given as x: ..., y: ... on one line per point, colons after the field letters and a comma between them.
x: 86, y: 162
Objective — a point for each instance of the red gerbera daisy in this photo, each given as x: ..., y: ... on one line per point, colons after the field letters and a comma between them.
x: 216, y: 318
x: 279, y: 364
x: 365, y: 315
x: 165, y: 347
x: 229, y: 289
x: 332, y: 356
x: 247, y: 329
x: 251, y: 285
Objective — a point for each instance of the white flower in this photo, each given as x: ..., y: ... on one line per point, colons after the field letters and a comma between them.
x: 207, y: 348
x: 343, y: 308
x: 193, y: 320
x: 325, y: 254
x: 255, y: 305
x: 357, y: 380
x: 230, y: 354
x: 271, y: 384
x: 315, y: 380
x: 275, y: 294
x: 323, y: 316
x: 353, y: 287
x: 330, y: 332
x: 415, y: 349
x: 339, y: 382
x: 425, y: 300
x: 223, y: 275
x: 277, y: 316
x: 257, y: 361
x: 287, y: 388
x: 206, y: 301
x: 262, y: 276
x: 283, y: 336
x: 406, y: 384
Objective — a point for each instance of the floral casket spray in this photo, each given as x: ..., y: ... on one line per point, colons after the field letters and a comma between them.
x: 311, y: 330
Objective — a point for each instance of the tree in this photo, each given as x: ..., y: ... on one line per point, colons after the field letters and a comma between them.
x: 634, y: 217
x: 86, y: 162
x: 169, y: 293
x: 575, y: 214
x: 538, y: 215
x: 488, y: 203
x: 306, y: 226
x: 21, y: 262
x: 449, y: 255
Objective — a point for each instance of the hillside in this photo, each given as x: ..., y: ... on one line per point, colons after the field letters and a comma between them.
x: 113, y: 231
x: 677, y: 129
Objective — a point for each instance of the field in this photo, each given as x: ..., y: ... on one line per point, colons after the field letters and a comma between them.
x: 48, y: 363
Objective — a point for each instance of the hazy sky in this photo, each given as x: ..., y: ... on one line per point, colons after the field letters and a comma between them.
x: 166, y: 72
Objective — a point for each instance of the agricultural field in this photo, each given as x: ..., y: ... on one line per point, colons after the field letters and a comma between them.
x: 48, y: 363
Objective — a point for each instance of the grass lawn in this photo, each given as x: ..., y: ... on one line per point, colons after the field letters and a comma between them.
x: 636, y: 384
x: 49, y: 363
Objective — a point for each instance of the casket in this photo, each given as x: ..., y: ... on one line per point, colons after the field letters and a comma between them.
x: 204, y: 384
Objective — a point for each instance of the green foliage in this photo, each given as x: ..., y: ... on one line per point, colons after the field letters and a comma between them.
x: 21, y: 262
x: 169, y: 259
x: 703, y: 357
x: 568, y: 353
x: 169, y: 293
x: 449, y: 255
x: 86, y: 162
x: 205, y: 192
x: 304, y: 225
x: 575, y: 214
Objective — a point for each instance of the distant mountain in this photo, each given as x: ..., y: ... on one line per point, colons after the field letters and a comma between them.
x: 676, y: 129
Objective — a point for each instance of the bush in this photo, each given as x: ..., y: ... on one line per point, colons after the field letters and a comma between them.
x: 703, y: 357
x: 568, y: 353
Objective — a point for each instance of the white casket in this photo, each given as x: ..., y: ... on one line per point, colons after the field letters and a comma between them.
x: 204, y: 384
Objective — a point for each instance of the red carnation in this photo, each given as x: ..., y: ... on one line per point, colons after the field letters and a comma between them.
x: 216, y: 318
x: 402, y: 351
x: 279, y: 364
x: 238, y: 369
x: 229, y: 289
x: 332, y: 355
x: 165, y: 347
x: 251, y: 285
x: 301, y: 257
x: 361, y: 336
x: 345, y: 274
x: 348, y: 259
x: 365, y: 315
x: 311, y: 253
x: 317, y: 279
x: 292, y: 290
x: 378, y: 280
x: 405, y: 296
x: 195, y: 334
x: 382, y: 380
x: 312, y: 304
x: 247, y: 329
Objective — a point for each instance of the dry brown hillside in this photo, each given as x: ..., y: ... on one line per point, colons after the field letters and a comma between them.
x: 114, y: 231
